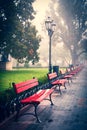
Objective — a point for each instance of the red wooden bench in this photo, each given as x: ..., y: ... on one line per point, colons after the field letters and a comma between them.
x: 55, y: 81
x: 72, y: 73
x: 29, y: 92
x: 68, y: 77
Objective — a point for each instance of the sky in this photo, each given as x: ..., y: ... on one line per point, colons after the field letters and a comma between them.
x: 40, y: 6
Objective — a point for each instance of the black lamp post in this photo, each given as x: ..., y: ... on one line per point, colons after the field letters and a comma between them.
x: 50, y: 26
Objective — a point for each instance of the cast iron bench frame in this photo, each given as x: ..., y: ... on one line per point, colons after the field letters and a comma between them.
x: 69, y: 75
x: 54, y: 80
x: 29, y: 92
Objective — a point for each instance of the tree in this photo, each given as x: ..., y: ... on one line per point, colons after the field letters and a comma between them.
x: 83, y: 42
x: 73, y: 14
x: 17, y: 35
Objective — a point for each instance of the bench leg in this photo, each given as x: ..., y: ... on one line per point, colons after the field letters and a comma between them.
x: 18, y: 111
x: 36, y: 115
x: 71, y: 80
x: 65, y: 85
x: 68, y: 81
x: 59, y: 89
x: 51, y: 99
x: 17, y: 114
x: 35, y: 104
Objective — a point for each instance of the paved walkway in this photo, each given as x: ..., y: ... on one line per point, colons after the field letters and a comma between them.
x: 69, y: 111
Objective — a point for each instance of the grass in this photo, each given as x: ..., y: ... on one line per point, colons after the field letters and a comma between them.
x: 19, y: 75
x: 7, y: 77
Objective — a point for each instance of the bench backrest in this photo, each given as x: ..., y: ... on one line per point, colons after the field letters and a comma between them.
x: 24, y: 86
x: 52, y: 76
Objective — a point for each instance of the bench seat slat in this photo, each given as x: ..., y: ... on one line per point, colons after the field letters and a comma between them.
x: 33, y: 98
x: 60, y: 81
x: 45, y: 95
x: 38, y: 97
x: 68, y: 76
x: 55, y: 82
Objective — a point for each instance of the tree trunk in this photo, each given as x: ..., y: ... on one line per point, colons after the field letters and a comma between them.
x: 5, y: 65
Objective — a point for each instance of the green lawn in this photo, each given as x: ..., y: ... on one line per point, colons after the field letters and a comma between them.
x: 7, y: 77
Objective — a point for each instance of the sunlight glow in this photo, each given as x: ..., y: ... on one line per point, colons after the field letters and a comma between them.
x: 62, y: 22
x: 55, y: 6
x: 56, y: 13
x: 40, y: 6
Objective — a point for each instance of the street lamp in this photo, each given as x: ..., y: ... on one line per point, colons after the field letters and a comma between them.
x: 50, y: 26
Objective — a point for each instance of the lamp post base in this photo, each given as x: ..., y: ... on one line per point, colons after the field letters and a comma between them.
x: 50, y: 69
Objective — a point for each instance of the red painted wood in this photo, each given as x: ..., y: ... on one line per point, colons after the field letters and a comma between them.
x: 23, y: 86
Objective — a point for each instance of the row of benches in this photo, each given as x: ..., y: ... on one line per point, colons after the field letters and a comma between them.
x: 30, y: 92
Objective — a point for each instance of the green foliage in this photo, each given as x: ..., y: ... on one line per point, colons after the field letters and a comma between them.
x: 7, y: 77
x: 25, y: 9
x: 26, y: 65
x: 20, y: 75
x: 6, y: 96
x: 17, y: 36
